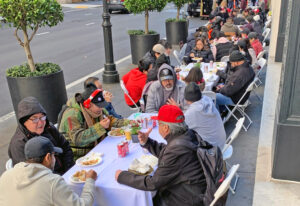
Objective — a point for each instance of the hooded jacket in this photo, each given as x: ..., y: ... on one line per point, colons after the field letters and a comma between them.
x: 75, y: 129
x: 156, y: 92
x: 237, y: 83
x: 227, y: 27
x: 203, y: 117
x: 34, y: 184
x: 179, y: 178
x: 134, y: 81
x: 26, y: 108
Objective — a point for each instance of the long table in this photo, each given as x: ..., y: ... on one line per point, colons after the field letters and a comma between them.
x: 108, y: 191
x: 209, y: 75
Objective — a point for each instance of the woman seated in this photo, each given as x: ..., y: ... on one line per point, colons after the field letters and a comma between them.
x: 242, y: 44
x: 135, y: 81
x: 195, y: 75
x: 201, y: 51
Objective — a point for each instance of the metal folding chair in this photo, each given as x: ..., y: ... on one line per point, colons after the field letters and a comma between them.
x: 127, y: 93
x: 9, y: 164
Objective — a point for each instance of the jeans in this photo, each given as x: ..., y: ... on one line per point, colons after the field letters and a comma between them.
x: 222, y: 100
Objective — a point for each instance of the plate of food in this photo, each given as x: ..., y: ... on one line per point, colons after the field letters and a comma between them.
x: 197, y: 59
x: 117, y: 132
x: 78, y: 177
x: 140, y: 168
x: 90, y: 160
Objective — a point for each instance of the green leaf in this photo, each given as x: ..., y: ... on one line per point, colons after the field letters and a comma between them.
x: 24, y: 70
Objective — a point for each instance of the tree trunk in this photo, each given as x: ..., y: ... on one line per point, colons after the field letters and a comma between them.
x: 178, y: 13
x: 146, y: 21
x: 28, y: 52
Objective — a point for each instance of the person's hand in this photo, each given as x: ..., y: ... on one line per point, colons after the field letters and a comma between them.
x: 108, y: 96
x: 117, y: 174
x: 219, y: 87
x: 192, y: 55
x: 91, y: 174
x: 177, y: 69
x: 171, y: 101
x: 143, y: 137
x: 105, y: 123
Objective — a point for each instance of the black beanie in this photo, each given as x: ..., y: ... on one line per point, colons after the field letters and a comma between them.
x: 236, y: 56
x: 192, y: 92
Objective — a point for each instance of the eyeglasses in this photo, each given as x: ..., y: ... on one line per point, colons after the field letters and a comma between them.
x: 36, y: 120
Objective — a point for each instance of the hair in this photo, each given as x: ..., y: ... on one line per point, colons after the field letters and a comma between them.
x: 229, y: 19
x: 249, y: 19
x: 176, y: 128
x: 248, y: 43
x: 90, y: 80
x: 144, y: 64
x: 221, y: 34
x: 202, y: 29
x: 165, y: 43
x: 195, y: 75
x: 197, y: 34
x: 36, y: 159
x: 235, y: 47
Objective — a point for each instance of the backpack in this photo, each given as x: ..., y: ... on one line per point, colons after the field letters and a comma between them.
x: 211, y: 161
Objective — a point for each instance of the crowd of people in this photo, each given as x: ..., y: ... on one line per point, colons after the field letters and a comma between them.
x: 41, y: 152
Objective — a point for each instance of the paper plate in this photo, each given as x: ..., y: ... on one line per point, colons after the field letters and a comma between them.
x: 115, y: 136
x: 80, y: 161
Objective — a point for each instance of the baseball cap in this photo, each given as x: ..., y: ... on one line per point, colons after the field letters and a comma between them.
x: 158, y: 48
x: 165, y: 74
x: 170, y: 113
x: 39, y: 146
x: 98, y: 99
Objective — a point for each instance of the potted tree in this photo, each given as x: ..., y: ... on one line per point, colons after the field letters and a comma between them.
x: 177, y: 28
x: 45, y: 81
x: 142, y: 41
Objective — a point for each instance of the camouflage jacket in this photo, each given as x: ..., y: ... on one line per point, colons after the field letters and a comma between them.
x: 81, y: 137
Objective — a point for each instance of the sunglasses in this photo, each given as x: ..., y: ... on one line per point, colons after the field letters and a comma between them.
x: 36, y: 120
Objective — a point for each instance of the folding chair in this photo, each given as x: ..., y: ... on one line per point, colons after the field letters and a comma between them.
x: 223, y: 188
x: 126, y: 92
x: 240, y: 107
x: 262, y: 62
x: 9, y: 164
x: 261, y: 54
x: 225, y: 59
x: 227, y: 150
x: 211, y: 94
x: 266, y: 33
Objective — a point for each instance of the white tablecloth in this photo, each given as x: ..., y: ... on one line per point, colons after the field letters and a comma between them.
x: 108, y: 191
x: 210, y: 78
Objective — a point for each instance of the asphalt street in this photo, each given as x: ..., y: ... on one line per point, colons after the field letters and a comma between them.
x: 76, y: 44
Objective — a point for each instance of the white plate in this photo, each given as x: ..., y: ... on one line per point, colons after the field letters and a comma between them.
x: 76, y: 182
x: 114, y: 136
x: 86, y: 158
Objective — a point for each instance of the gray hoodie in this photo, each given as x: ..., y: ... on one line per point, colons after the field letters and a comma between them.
x: 34, y: 184
x: 203, y: 117
x: 157, y: 95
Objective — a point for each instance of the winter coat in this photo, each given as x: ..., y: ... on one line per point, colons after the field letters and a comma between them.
x: 248, y: 26
x: 222, y: 48
x: 203, y: 117
x: 227, y: 27
x: 156, y: 93
x: 134, y: 81
x: 75, y: 129
x: 178, y: 177
x: 34, y: 184
x: 150, y: 55
x: 258, y: 29
x: 239, y: 21
x: 257, y: 46
x: 152, y: 73
x: 237, y: 83
x: 28, y: 107
x: 205, y: 54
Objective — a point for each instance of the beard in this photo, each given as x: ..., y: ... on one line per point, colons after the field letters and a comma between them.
x: 169, y: 88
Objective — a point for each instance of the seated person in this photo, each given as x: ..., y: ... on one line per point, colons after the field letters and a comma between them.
x: 32, y: 182
x: 167, y: 90
x: 32, y: 122
x: 135, y: 81
x: 248, y: 24
x: 229, y: 27
x: 222, y: 47
x: 85, y: 122
x: 168, y: 49
x: 107, y: 96
x: 175, y: 161
x: 242, y: 44
x: 245, y: 33
x: 255, y: 43
x: 203, y: 116
x: 195, y: 75
x: 237, y: 83
x: 201, y: 50
x: 239, y: 20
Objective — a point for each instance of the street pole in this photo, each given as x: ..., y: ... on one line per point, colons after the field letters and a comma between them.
x: 110, y: 74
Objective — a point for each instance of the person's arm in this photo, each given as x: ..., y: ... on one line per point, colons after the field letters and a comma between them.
x: 126, y: 77
x: 153, y: 147
x: 62, y: 194
x: 16, y: 151
x: 232, y: 87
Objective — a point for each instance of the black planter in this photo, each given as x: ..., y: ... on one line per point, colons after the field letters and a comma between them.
x: 177, y: 31
x: 50, y: 90
x: 141, y: 44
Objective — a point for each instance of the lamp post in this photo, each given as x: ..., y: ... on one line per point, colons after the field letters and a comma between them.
x: 110, y: 74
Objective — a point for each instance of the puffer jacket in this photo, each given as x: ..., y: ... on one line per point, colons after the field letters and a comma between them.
x: 156, y: 93
x: 152, y: 73
x: 26, y: 108
x: 179, y: 175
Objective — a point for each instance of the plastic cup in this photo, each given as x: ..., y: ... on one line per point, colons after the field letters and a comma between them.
x: 128, y: 134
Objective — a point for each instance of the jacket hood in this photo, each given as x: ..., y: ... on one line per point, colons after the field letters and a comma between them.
x: 73, y: 103
x: 137, y: 75
x: 228, y: 25
x: 222, y: 40
x: 166, y: 66
x: 204, y: 105
x: 29, y: 106
x: 26, y: 174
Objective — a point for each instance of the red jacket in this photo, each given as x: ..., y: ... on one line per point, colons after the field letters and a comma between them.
x: 134, y: 82
x: 257, y: 46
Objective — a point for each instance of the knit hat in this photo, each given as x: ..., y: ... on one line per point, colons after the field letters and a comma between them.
x: 192, y: 92
x: 252, y: 35
x: 158, y: 48
x: 236, y: 56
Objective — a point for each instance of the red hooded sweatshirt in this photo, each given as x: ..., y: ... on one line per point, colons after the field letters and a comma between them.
x: 134, y: 82
x: 257, y: 46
